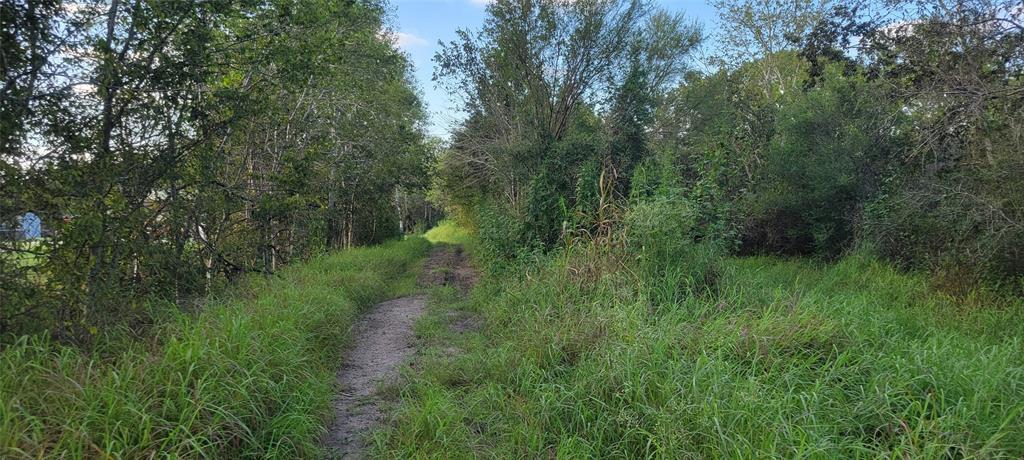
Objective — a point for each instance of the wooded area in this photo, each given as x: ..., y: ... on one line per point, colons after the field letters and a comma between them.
x: 170, y: 146
x: 796, y: 235
x: 815, y: 126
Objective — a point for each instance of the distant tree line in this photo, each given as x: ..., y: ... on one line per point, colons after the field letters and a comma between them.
x: 171, y: 146
x: 812, y: 127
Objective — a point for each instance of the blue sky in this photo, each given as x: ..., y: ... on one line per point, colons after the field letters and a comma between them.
x: 420, y: 24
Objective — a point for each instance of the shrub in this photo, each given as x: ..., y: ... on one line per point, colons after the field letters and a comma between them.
x: 958, y: 206
x: 501, y: 234
x: 822, y: 165
x: 963, y: 226
x: 661, y: 235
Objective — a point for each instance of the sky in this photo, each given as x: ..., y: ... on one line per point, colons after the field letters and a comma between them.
x: 419, y: 25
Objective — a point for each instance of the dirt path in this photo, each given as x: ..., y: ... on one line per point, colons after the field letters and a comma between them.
x: 383, y: 340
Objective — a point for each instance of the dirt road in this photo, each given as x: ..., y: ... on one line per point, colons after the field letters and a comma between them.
x: 382, y: 341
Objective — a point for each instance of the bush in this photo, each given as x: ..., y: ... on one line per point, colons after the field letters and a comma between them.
x: 822, y: 165
x: 661, y: 236
x: 964, y: 227
x: 958, y: 207
x: 501, y: 234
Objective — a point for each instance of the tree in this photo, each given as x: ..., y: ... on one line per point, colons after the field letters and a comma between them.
x: 826, y: 158
x: 760, y: 32
x: 172, y: 146
x: 954, y: 202
x: 534, y: 73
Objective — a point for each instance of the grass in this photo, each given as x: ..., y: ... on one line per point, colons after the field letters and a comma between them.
x: 447, y: 231
x: 787, y: 358
x: 251, y: 376
x: 21, y: 260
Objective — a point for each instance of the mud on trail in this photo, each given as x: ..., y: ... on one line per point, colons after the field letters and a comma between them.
x: 382, y: 341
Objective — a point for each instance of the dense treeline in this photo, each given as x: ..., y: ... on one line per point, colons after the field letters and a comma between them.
x: 171, y: 145
x: 813, y: 127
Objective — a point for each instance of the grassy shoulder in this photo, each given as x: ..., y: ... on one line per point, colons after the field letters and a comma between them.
x: 787, y: 358
x: 251, y: 376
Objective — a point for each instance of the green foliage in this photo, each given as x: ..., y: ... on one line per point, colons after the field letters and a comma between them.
x: 501, y: 233
x: 631, y: 112
x: 789, y: 358
x: 217, y: 138
x: 638, y: 339
x: 910, y: 145
x: 646, y: 182
x: 199, y: 141
x: 662, y: 235
x: 824, y: 160
x: 954, y: 205
x: 449, y: 232
x: 250, y: 376
x: 588, y: 196
x: 962, y: 224
x: 533, y: 141
x: 547, y: 206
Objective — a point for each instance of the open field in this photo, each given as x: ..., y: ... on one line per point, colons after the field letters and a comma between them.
x: 450, y: 233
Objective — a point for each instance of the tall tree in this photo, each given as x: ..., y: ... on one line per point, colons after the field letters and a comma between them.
x: 535, y: 72
x: 173, y: 145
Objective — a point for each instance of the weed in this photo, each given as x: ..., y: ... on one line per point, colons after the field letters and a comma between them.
x: 785, y: 358
x: 251, y: 376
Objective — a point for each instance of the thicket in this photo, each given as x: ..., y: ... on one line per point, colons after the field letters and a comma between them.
x: 534, y: 152
x: 815, y: 127
x: 171, y: 146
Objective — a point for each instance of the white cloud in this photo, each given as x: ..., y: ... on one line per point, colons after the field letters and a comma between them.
x: 488, y: 2
x: 406, y: 40
x: 900, y: 28
x: 75, y: 7
x: 83, y: 88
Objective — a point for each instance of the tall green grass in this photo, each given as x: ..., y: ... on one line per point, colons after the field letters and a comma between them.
x: 786, y: 358
x: 251, y: 376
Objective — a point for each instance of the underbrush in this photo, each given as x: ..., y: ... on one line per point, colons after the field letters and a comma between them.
x: 783, y: 358
x: 251, y: 376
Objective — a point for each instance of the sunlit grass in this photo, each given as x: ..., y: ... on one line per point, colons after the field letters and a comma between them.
x: 788, y: 358
x: 448, y: 232
x: 251, y: 376
x: 28, y: 255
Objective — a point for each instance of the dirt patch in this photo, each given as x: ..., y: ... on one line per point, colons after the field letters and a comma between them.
x: 452, y: 268
x: 383, y: 340
x: 449, y: 266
